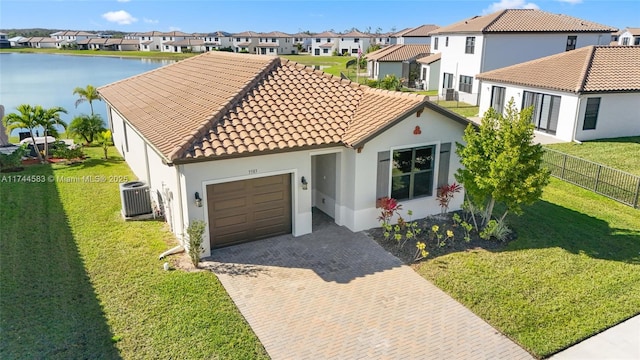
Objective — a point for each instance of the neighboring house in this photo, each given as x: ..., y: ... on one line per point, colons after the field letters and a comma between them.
x: 245, y: 42
x: 185, y: 45
x: 382, y: 40
x: 304, y: 40
x: 589, y: 93
x: 217, y: 40
x: 169, y: 40
x: 69, y: 38
x: 150, y: 41
x: 16, y: 41
x: 261, y: 141
x: 398, y: 60
x: 4, y: 41
x: 429, y: 71
x: 630, y: 36
x: 615, y: 37
x: 504, y: 38
x: 413, y: 36
x: 108, y: 44
x: 39, y: 42
x: 354, y: 43
x: 276, y: 43
x: 324, y: 43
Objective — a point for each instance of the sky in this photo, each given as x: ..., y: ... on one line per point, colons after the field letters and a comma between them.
x: 288, y: 16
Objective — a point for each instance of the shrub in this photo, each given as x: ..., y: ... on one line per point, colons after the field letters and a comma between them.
x: 195, y: 231
x: 13, y: 160
x: 445, y: 194
x: 64, y: 151
x: 495, y: 229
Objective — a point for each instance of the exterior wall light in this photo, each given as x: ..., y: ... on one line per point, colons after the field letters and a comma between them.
x: 304, y: 183
x: 198, y: 200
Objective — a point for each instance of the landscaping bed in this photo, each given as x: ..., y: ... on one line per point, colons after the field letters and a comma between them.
x: 407, y: 251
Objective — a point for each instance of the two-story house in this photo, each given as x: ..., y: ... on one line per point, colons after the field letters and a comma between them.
x: 302, y: 41
x: 276, y: 43
x: 217, y: 40
x: 325, y: 43
x: 169, y: 39
x: 69, y: 38
x: 381, y: 39
x: 630, y: 37
x: 503, y: 38
x: 413, y: 36
x: 245, y: 42
x: 354, y: 42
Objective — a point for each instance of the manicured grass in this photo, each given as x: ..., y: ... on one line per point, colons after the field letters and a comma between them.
x: 78, y: 282
x: 330, y: 64
x: 573, y: 271
x: 464, y: 109
x: 428, y: 93
x: 620, y: 153
x: 136, y: 54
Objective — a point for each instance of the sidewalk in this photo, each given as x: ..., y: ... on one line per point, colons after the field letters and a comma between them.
x: 619, y: 342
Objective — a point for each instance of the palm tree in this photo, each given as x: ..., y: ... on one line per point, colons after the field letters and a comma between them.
x: 48, y: 119
x: 87, y: 126
x: 90, y: 93
x: 26, y: 118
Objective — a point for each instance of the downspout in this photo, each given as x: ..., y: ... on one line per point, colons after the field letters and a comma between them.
x: 180, y: 209
x: 575, y: 121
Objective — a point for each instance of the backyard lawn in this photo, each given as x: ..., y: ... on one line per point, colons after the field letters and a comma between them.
x: 620, y: 153
x: 77, y: 282
x: 573, y: 271
x: 459, y: 107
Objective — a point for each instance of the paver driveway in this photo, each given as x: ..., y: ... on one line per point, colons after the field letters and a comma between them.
x: 336, y: 294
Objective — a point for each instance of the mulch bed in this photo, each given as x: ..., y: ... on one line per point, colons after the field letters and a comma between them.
x: 445, y: 222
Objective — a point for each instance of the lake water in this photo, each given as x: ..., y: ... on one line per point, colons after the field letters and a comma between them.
x: 49, y: 80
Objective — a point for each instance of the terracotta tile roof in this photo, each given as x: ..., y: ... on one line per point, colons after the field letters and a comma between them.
x: 418, y: 31
x: 222, y: 104
x: 301, y: 35
x: 40, y: 39
x: 634, y: 31
x: 429, y: 59
x: 275, y: 34
x: 246, y: 34
x: 584, y: 70
x: 355, y: 34
x: 396, y: 53
x: 523, y: 20
x: 267, y: 45
x: 326, y: 34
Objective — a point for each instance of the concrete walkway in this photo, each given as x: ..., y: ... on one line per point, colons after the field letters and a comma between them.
x: 334, y: 294
x: 619, y: 342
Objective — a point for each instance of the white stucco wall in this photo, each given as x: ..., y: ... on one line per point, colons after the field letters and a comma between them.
x: 618, y: 116
x: 361, y: 202
x: 568, y: 105
x: 502, y: 50
x: 350, y: 45
x: 416, y: 40
x: 455, y: 61
x: 430, y: 82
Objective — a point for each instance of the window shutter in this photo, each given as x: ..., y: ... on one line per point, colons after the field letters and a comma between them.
x: 443, y: 167
x: 382, y: 183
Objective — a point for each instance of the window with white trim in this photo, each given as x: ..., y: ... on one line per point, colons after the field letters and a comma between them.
x: 412, y: 172
x: 466, y: 84
x: 470, y: 45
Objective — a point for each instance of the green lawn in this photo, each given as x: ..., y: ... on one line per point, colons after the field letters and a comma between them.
x: 620, y: 153
x: 463, y: 109
x: 573, y: 271
x: 136, y: 54
x: 330, y: 64
x: 77, y: 282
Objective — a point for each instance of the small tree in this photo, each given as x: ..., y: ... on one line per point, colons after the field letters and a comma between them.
x: 48, y: 119
x: 87, y: 126
x: 25, y: 118
x: 106, y: 141
x: 89, y: 94
x: 501, y: 163
x: 195, y: 231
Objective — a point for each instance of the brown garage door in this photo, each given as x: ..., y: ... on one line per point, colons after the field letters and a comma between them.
x: 248, y: 210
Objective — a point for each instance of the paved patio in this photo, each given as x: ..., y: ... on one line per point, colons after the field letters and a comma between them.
x: 334, y: 294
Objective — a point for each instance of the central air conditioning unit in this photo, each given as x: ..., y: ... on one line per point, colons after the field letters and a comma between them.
x: 135, y: 198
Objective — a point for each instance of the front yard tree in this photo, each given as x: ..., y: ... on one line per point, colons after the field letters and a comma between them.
x: 89, y: 94
x: 500, y: 162
x: 87, y: 126
x: 25, y: 118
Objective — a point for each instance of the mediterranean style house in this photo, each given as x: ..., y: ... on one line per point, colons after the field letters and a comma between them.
x: 250, y: 144
x: 324, y: 43
x: 630, y: 36
x: 503, y: 38
x: 398, y: 60
x: 586, y: 94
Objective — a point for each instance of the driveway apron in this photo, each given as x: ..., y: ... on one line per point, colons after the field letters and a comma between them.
x: 334, y: 294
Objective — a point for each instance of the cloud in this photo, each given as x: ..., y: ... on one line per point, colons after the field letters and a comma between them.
x: 120, y: 17
x: 511, y: 4
x: 174, y: 28
x: 572, y: 2
x: 150, y: 21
